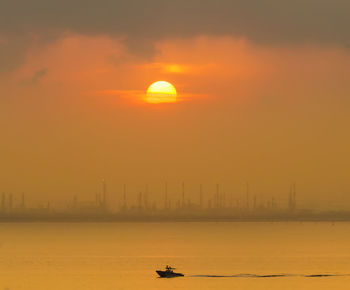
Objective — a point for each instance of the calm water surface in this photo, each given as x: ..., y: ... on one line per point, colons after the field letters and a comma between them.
x: 125, y: 255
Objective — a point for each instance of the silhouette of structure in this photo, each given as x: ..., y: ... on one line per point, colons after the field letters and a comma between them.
x: 143, y: 205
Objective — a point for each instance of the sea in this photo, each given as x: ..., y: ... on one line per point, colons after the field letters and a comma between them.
x: 212, y: 255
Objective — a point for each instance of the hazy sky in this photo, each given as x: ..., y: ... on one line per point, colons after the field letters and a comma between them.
x: 263, y: 87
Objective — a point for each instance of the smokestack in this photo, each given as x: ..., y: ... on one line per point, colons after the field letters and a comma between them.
x: 124, y: 198
x: 217, y: 198
x: 247, y: 194
x: 104, y: 194
x: 294, y: 197
x: 183, y: 194
x: 3, y: 202
x: 166, y: 196
x: 145, y: 197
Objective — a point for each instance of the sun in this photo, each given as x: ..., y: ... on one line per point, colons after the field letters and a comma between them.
x: 161, y: 92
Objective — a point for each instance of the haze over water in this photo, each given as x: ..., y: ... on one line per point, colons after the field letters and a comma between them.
x: 126, y: 255
x: 122, y: 119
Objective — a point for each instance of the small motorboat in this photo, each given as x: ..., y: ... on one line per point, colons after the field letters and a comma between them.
x: 169, y: 273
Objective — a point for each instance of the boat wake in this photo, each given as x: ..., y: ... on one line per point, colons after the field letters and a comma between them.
x: 269, y: 275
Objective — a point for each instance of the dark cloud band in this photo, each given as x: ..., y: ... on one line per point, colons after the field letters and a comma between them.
x: 143, y: 22
x: 260, y: 21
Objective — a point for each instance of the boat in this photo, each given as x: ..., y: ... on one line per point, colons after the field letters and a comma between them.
x: 169, y: 273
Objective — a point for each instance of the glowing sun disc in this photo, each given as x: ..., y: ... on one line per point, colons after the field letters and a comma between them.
x: 161, y: 92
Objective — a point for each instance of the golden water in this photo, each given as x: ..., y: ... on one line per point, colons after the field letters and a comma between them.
x: 125, y: 255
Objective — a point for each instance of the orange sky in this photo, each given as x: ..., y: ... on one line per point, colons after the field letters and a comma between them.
x: 72, y: 111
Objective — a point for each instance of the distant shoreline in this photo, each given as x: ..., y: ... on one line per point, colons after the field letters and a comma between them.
x: 113, y: 219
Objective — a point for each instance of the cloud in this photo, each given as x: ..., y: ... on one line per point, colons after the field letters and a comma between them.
x: 223, y: 67
x: 267, y: 21
x: 143, y: 23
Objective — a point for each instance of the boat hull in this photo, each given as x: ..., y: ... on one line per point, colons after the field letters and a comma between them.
x: 166, y: 274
